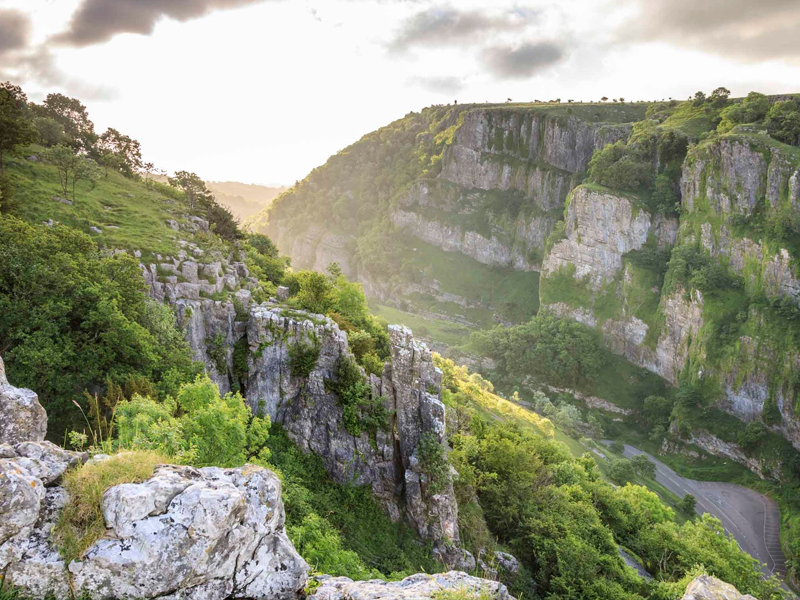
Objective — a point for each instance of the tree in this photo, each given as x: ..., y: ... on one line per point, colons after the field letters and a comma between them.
x: 604, y: 99
x: 783, y: 121
x: 73, y: 117
x: 687, y: 504
x: 752, y: 109
x: 126, y: 150
x: 699, y: 99
x: 71, y: 168
x: 51, y: 132
x: 642, y: 465
x: 15, y: 128
x: 621, y: 470
x: 719, y: 97
x: 193, y: 187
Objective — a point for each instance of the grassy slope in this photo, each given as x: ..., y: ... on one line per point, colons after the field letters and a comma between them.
x: 130, y: 215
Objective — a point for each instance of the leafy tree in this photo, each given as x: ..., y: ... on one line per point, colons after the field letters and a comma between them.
x: 315, y: 292
x: 621, y: 470
x: 361, y: 411
x: 15, y: 128
x: 558, y: 351
x: 71, y: 168
x: 719, y: 97
x: 50, y: 131
x: 642, y: 465
x: 123, y: 152
x: 687, y: 504
x: 73, y: 117
x: 751, y: 436
x: 699, y: 99
x: 198, y: 426
x: 617, y: 167
x: 783, y: 121
x: 193, y: 187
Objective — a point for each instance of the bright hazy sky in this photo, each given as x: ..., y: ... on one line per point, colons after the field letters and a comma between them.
x: 262, y: 91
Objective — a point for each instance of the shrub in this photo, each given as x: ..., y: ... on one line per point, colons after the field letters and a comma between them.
x: 361, y: 411
x: 198, y: 426
x: 303, y: 358
x: 621, y: 470
x: 433, y: 461
x: 618, y: 167
x: 752, y: 109
x: 687, y: 504
x: 783, y: 121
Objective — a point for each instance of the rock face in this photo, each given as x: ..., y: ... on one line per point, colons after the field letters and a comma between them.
x: 602, y: 226
x: 193, y: 534
x: 262, y: 337
x: 415, y: 587
x: 22, y: 418
x: 314, y: 418
x: 706, y: 587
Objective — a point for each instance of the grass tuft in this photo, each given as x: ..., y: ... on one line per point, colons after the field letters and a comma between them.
x: 81, y: 522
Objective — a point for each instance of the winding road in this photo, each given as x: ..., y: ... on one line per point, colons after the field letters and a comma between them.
x: 752, y: 518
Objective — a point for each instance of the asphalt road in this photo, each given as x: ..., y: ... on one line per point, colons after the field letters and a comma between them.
x: 752, y: 518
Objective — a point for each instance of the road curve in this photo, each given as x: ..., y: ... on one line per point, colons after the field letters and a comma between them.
x: 752, y: 518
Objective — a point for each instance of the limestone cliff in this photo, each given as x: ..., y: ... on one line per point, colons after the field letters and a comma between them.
x: 487, y: 182
x: 246, y: 346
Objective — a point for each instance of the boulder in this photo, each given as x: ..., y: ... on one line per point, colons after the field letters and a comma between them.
x: 416, y: 587
x: 193, y: 534
x: 706, y: 587
x: 22, y: 418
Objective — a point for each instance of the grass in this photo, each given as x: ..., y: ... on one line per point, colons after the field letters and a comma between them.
x: 463, y: 593
x: 130, y: 215
x: 438, y: 332
x: 81, y: 522
x: 513, y: 294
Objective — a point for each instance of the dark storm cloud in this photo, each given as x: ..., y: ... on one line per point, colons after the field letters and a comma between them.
x: 446, y: 26
x: 15, y: 29
x: 743, y: 29
x: 439, y: 85
x: 522, y: 61
x: 97, y: 21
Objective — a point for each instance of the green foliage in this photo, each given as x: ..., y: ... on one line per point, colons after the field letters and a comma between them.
x: 621, y: 470
x: 263, y: 259
x: 313, y: 292
x: 217, y: 350
x: 303, y: 358
x: 783, y: 121
x: 752, y: 109
x: 197, y: 426
x: 558, y: 351
x: 691, y: 267
x: 433, y: 461
x: 340, y: 529
x: 72, y: 319
x: 687, y: 504
x: 15, y: 128
x: 751, y: 436
x: 71, y: 168
x: 642, y: 465
x: 616, y: 168
x: 361, y: 411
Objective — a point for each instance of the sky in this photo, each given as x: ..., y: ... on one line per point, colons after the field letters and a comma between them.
x: 263, y: 91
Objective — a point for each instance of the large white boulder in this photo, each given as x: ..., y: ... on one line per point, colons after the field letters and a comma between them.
x: 22, y: 418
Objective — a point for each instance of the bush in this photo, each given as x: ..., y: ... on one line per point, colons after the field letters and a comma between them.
x: 621, y: 470
x: 642, y: 465
x: 433, y: 461
x: 752, y: 109
x: 303, y: 358
x: 687, y: 504
x: 783, y: 121
x: 197, y: 427
x: 360, y: 410
x: 619, y: 168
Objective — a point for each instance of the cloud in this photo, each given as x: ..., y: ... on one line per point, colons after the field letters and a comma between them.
x: 522, y: 61
x: 439, y: 84
x: 438, y: 27
x: 746, y: 30
x: 97, y: 21
x: 15, y: 29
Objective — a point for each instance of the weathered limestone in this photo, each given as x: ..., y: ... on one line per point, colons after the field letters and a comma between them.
x: 416, y: 587
x: 193, y: 534
x: 22, y: 418
x: 706, y: 587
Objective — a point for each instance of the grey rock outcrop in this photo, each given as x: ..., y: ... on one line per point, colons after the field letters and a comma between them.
x: 416, y: 587
x: 193, y: 534
x: 22, y: 418
x: 706, y: 587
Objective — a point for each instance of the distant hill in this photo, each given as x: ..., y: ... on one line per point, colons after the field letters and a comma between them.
x: 244, y: 199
